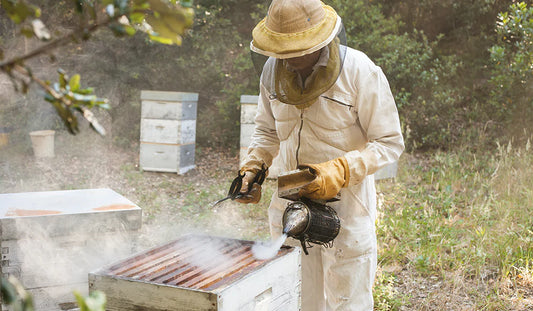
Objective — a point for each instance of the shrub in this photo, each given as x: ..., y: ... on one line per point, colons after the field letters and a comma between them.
x: 512, y: 57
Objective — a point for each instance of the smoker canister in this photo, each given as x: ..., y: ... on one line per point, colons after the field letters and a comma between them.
x: 311, y: 222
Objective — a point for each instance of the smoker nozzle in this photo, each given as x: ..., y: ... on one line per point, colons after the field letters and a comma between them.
x: 295, y: 219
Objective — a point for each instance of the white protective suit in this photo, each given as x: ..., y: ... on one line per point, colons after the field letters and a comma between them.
x: 360, y: 122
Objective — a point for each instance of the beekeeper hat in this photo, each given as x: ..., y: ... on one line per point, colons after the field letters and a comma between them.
x: 294, y: 28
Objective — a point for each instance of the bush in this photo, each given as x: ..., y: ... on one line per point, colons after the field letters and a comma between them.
x: 512, y: 57
x: 422, y: 80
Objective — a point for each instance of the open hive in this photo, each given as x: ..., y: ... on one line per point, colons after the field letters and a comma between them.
x: 202, y: 273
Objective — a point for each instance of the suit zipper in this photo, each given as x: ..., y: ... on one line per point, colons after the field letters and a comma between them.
x: 299, y: 138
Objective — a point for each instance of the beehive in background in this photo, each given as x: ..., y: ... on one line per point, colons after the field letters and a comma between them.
x: 248, y: 112
x: 202, y: 273
x: 168, y: 131
x: 51, y: 240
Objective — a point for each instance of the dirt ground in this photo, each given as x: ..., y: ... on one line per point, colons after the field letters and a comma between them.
x: 174, y: 205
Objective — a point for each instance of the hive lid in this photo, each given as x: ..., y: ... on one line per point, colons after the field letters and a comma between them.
x: 60, y: 212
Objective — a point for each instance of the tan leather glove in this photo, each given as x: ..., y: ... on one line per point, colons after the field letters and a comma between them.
x: 254, y: 196
x: 254, y: 162
x: 331, y: 176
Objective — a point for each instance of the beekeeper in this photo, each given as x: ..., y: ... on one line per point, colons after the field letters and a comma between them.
x: 328, y: 107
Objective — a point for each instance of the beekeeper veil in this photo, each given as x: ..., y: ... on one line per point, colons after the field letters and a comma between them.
x: 292, y: 29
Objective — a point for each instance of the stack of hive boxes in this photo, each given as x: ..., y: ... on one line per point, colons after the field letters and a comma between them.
x: 168, y: 131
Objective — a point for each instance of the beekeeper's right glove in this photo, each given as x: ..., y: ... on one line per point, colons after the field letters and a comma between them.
x: 331, y: 176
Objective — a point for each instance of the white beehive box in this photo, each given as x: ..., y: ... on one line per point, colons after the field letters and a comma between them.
x: 51, y: 240
x: 248, y: 112
x: 168, y: 131
x: 192, y: 274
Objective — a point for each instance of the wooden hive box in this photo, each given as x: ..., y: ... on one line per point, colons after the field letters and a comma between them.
x: 202, y: 273
x: 51, y: 240
x: 168, y: 131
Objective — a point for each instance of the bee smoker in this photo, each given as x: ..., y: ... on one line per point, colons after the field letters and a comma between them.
x: 306, y: 220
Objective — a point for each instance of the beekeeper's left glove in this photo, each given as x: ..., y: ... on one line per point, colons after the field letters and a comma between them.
x: 255, y: 169
x: 254, y: 194
x: 331, y: 176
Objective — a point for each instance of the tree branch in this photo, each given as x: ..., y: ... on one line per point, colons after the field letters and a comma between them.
x: 53, y: 44
x: 87, y: 114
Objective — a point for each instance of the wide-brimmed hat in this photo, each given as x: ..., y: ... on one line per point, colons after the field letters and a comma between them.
x: 294, y: 28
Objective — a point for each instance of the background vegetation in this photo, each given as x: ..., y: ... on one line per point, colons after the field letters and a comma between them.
x: 460, y: 71
x: 455, y: 229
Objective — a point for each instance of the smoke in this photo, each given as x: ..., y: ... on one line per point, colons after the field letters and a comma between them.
x: 267, y: 250
x: 208, y: 253
x: 52, y: 266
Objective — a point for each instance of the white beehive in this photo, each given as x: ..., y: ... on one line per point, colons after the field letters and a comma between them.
x: 51, y: 240
x: 202, y: 273
x: 248, y: 112
x: 168, y: 131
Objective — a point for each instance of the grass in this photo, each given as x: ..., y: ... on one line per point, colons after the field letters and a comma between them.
x: 461, y: 213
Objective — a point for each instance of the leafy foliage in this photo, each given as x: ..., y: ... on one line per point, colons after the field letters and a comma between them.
x: 164, y: 22
x: 96, y: 301
x: 451, y: 87
x: 512, y: 75
x: 14, y: 294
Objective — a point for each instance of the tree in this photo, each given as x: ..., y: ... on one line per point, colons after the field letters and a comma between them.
x: 162, y: 21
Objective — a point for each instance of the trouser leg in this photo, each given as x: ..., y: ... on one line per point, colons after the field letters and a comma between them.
x: 350, y: 267
x: 313, y: 298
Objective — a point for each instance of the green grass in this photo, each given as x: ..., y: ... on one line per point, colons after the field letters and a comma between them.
x: 460, y: 213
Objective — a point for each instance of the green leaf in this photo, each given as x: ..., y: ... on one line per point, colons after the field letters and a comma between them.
x: 81, y: 301
x: 136, y: 18
x: 62, y: 78
x: 186, y: 3
x: 74, y: 83
x: 14, y: 294
x: 123, y: 6
x: 85, y: 91
x: 49, y: 98
x: 84, y: 99
x: 8, y: 291
x: 161, y: 39
x: 129, y: 30
x: 96, y: 301
x: 18, y: 11
x: 26, y: 31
